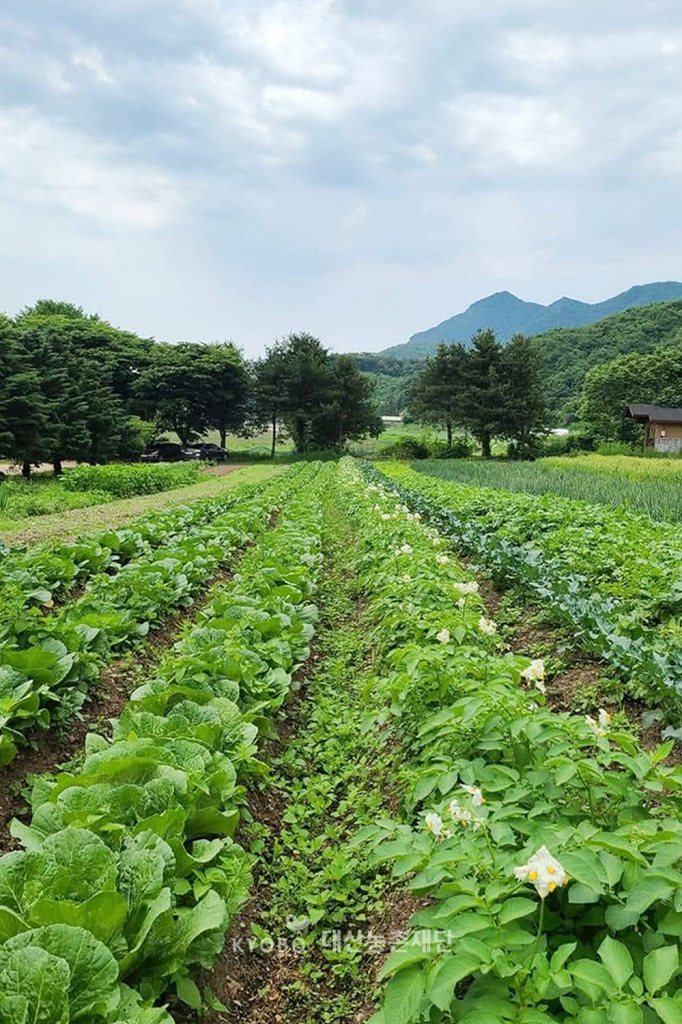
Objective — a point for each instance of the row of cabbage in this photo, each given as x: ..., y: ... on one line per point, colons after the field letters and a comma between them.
x: 129, y: 874
x: 545, y: 848
x: 613, y: 576
x: 49, y: 663
x: 35, y: 577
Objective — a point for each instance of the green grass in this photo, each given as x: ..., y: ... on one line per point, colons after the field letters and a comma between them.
x: 67, y: 525
x: 44, y: 494
x: 41, y: 495
x: 652, y: 491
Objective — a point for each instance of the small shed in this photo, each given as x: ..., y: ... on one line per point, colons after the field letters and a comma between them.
x: 663, y: 426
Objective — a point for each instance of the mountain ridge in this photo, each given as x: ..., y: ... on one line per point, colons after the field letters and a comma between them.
x: 507, y: 314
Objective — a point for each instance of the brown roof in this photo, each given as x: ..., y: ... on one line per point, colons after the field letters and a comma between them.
x: 655, y: 413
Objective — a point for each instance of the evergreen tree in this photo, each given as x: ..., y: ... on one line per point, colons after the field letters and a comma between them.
x: 523, y: 413
x: 436, y: 393
x: 482, y: 399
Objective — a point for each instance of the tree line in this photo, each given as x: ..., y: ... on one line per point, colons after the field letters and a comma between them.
x: 74, y: 387
x: 488, y: 389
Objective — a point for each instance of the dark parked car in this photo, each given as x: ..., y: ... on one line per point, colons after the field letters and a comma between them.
x: 167, y: 451
x: 210, y: 451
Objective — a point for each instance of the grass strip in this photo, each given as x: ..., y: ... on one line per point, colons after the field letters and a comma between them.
x: 71, y: 524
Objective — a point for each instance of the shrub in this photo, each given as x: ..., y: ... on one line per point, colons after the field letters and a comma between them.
x: 460, y: 448
x: 126, y: 481
x: 617, y: 448
x: 407, y: 447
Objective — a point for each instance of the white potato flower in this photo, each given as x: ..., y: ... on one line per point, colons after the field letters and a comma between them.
x: 405, y: 549
x: 385, y: 515
x: 417, y: 516
x: 460, y: 602
x: 443, y: 636
x: 487, y: 626
x: 543, y: 871
x: 601, y: 725
x: 477, y: 798
x: 434, y: 825
x: 442, y: 559
x: 463, y: 816
x: 466, y: 588
x: 406, y: 578
x: 535, y: 673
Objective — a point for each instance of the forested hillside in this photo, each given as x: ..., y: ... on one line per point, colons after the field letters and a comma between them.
x: 566, y: 354
x: 507, y: 315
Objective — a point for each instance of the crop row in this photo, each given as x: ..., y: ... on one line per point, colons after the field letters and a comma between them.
x: 129, y: 875
x: 647, y: 486
x: 613, y: 576
x: 48, y: 664
x: 124, y: 481
x: 545, y: 848
x: 34, y: 577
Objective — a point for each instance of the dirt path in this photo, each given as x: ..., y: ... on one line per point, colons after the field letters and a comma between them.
x: 309, y: 944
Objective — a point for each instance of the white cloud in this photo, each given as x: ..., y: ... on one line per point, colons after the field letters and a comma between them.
x: 358, y: 162
x: 521, y: 131
x: 91, y: 60
x: 44, y: 163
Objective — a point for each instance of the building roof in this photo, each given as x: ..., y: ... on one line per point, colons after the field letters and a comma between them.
x: 655, y: 413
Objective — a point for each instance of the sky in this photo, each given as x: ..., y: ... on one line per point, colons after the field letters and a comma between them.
x: 201, y: 170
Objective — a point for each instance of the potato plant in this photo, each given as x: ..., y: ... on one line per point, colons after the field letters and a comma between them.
x: 547, y: 846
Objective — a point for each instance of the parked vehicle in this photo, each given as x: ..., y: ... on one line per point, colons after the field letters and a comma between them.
x: 210, y: 451
x: 168, y: 451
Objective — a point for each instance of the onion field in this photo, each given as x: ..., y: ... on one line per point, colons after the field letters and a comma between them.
x: 267, y: 757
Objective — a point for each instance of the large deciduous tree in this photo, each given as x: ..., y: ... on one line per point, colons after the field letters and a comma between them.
x: 654, y: 378
x: 190, y: 388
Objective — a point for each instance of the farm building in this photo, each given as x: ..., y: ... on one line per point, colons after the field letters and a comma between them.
x: 663, y: 426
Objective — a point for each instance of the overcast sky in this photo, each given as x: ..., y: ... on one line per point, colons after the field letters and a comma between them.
x: 361, y: 169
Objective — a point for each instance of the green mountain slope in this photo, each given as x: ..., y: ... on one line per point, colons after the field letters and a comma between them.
x: 507, y: 315
x: 567, y: 353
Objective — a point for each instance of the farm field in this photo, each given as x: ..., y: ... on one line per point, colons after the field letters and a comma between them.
x: 612, y: 576
x: 647, y: 485
x: 119, y: 511
x: 85, y: 486
x: 331, y: 794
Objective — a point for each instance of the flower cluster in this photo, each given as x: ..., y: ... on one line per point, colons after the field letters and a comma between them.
x: 535, y: 673
x: 443, y: 636
x: 466, y: 588
x: 487, y: 626
x: 434, y: 825
x: 601, y: 725
x: 442, y: 559
x: 543, y: 871
x: 461, y: 815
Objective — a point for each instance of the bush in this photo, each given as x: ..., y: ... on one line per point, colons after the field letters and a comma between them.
x: 617, y: 448
x: 126, y: 481
x: 407, y: 448
x: 459, y: 449
x: 566, y: 444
